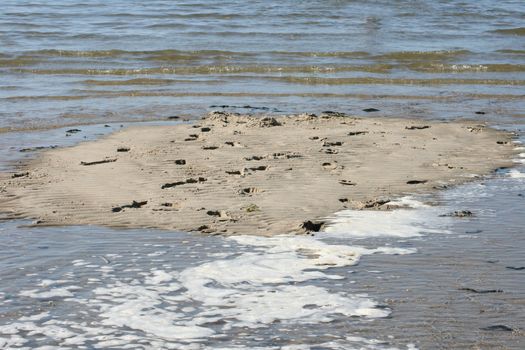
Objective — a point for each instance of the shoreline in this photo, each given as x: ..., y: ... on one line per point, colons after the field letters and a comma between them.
x: 233, y: 174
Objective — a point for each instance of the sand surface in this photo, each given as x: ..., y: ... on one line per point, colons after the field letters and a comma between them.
x: 231, y: 174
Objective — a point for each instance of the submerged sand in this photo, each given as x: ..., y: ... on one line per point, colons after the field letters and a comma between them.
x: 231, y: 174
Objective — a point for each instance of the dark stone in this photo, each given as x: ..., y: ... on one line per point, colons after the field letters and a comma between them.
x: 415, y: 127
x: 516, y: 268
x: 173, y: 117
x: 312, y: 226
x: 368, y: 110
x: 416, y: 182
x: 376, y: 203
x: 173, y: 184
x: 259, y: 168
x: 479, y: 112
x: 268, y: 122
x: 332, y: 144
x: 99, y: 162
x: 14, y: 176
x: 347, y: 183
x: 355, y: 133
x: 206, y: 129
x: 254, y: 158
x: 73, y: 131
x: 180, y: 162
x: 136, y: 204
x: 123, y: 149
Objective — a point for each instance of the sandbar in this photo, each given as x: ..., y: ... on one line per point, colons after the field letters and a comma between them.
x: 240, y: 174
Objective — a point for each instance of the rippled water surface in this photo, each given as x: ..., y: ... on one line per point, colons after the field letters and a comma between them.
x: 410, y: 278
x: 65, y: 62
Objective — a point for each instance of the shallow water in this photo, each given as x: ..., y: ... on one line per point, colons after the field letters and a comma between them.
x: 66, y: 62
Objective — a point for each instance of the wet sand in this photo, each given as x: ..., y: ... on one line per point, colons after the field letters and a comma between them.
x: 231, y: 174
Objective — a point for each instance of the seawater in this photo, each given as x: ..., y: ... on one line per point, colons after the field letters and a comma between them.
x: 69, y: 62
x: 405, y: 279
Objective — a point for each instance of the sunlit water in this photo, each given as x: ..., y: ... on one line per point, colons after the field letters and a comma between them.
x: 406, y: 279
x: 67, y: 62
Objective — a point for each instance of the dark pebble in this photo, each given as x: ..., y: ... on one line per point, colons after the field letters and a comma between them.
x: 312, y: 226
x: 416, y: 182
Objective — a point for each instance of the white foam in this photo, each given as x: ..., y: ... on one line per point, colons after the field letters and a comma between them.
x: 516, y: 174
x: 412, y: 219
x: 280, y: 278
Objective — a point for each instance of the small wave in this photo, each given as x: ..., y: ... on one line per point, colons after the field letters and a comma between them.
x: 17, y: 62
x: 512, y: 51
x: 423, y: 55
x: 226, y: 69
x: 173, y: 55
x: 511, y: 31
x: 137, y: 93
x: 120, y: 53
x: 344, y: 54
x: 139, y: 81
x: 394, y: 81
x: 461, y: 68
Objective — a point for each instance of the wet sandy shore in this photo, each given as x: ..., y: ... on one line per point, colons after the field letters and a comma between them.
x: 230, y: 174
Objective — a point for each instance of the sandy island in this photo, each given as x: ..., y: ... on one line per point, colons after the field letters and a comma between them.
x: 232, y: 174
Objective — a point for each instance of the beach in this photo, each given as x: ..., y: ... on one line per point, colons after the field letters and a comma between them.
x: 234, y: 174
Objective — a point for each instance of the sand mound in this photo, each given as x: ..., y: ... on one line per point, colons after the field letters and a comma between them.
x: 228, y: 174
